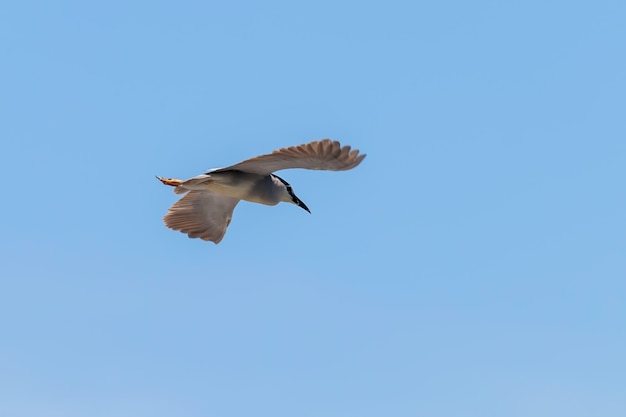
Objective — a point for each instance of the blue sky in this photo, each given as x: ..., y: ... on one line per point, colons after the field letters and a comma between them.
x: 473, y: 265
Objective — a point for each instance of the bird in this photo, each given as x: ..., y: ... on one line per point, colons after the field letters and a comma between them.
x: 206, y: 209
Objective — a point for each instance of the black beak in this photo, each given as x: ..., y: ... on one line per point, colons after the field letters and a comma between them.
x: 300, y: 203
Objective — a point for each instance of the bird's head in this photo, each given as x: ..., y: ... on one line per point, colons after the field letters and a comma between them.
x: 288, y: 195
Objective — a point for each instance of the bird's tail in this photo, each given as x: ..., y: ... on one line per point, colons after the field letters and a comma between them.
x: 173, y: 182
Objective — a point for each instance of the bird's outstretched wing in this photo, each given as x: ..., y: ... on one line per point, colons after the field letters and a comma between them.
x: 202, y: 214
x: 320, y: 155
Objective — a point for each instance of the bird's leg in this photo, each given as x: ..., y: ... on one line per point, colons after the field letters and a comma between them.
x: 170, y: 181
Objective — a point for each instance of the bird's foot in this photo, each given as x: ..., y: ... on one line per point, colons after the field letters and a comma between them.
x: 170, y: 181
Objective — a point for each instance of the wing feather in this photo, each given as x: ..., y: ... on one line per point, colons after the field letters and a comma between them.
x: 319, y: 155
x: 201, y: 214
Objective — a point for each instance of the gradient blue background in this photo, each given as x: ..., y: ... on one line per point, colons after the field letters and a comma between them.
x: 473, y: 265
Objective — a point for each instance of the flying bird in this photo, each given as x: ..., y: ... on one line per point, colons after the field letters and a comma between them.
x: 206, y: 209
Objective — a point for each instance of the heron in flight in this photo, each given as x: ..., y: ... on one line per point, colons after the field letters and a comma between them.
x: 207, y: 207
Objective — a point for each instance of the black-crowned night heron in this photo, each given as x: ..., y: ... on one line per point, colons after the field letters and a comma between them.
x: 207, y: 208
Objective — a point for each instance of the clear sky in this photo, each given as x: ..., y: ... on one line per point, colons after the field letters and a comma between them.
x: 473, y: 265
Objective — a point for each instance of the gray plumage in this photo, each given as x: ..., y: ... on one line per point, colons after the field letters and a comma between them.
x: 206, y: 210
